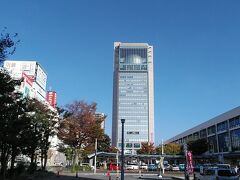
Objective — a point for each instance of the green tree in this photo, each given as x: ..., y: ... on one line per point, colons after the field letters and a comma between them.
x: 42, y: 126
x: 104, y: 143
x: 198, y: 147
x: 7, y: 44
x: 12, y: 120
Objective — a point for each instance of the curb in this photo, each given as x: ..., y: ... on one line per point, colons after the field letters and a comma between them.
x: 174, y: 177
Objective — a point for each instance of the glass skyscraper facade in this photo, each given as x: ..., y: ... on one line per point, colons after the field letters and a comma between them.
x: 133, y: 95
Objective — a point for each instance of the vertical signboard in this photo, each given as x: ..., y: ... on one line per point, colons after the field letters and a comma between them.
x: 41, y: 77
x: 189, y: 162
x: 52, y: 98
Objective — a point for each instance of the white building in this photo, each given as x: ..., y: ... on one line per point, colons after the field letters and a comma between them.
x: 35, y: 77
x: 102, y: 117
x: 34, y: 86
x: 133, y: 95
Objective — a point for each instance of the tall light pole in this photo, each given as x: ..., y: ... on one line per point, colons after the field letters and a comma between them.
x: 161, y: 166
x: 95, y: 158
x: 163, y: 170
x: 122, y: 153
x: 117, y: 163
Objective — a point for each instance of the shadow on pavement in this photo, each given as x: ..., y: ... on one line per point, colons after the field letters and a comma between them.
x: 64, y: 177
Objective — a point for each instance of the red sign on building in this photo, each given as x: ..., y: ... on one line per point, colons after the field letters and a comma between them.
x: 52, y: 98
x: 28, y: 78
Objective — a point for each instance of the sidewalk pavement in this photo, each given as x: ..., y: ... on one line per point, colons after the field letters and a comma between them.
x: 100, y: 176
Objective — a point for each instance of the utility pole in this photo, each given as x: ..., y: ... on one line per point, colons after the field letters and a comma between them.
x: 122, y: 153
x: 161, y: 163
x: 95, y: 158
x: 117, y: 163
x: 163, y: 170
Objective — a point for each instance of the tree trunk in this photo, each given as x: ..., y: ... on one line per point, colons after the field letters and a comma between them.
x: 4, y: 160
x: 3, y: 167
x: 32, y: 156
x: 75, y: 157
x: 42, y: 159
x: 72, y: 157
x: 46, y: 150
x: 13, y: 157
x: 45, y: 160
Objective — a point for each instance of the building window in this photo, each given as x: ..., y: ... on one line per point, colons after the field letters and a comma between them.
x: 222, y: 126
x: 190, y: 137
x: 129, y: 145
x: 137, y: 145
x: 223, y: 142
x: 234, y: 122
x: 211, y: 130
x: 235, y: 139
x: 196, y: 135
x: 203, y: 133
x: 212, y: 141
x: 185, y: 139
x: 119, y: 145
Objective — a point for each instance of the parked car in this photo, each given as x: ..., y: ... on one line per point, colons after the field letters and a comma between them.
x: 143, y: 166
x: 86, y: 167
x: 181, y: 167
x: 132, y: 166
x: 167, y: 167
x: 152, y: 167
x: 225, y: 166
x: 219, y: 174
x: 174, y: 167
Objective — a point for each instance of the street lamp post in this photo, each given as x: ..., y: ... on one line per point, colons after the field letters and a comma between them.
x: 95, y: 158
x: 122, y: 153
x: 161, y: 164
x: 117, y: 164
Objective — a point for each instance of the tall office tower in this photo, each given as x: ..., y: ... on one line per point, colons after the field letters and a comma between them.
x: 133, y: 98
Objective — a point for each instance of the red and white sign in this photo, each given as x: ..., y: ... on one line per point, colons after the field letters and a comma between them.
x: 189, y: 162
x: 52, y: 98
x: 28, y: 78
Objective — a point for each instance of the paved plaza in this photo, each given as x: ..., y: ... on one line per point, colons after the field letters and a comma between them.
x: 88, y: 176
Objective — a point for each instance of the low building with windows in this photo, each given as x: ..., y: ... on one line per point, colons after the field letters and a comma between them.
x: 221, y: 132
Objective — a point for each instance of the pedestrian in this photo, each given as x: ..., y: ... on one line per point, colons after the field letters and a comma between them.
x: 236, y: 169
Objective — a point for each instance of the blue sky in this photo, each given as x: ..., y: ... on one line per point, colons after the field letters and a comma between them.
x: 196, y: 52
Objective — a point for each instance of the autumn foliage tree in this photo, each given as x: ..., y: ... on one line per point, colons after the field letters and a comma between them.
x: 147, y: 148
x: 79, y: 128
x: 113, y: 149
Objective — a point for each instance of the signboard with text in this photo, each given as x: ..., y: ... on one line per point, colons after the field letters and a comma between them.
x: 15, y: 68
x: 52, y: 98
x: 41, y: 77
